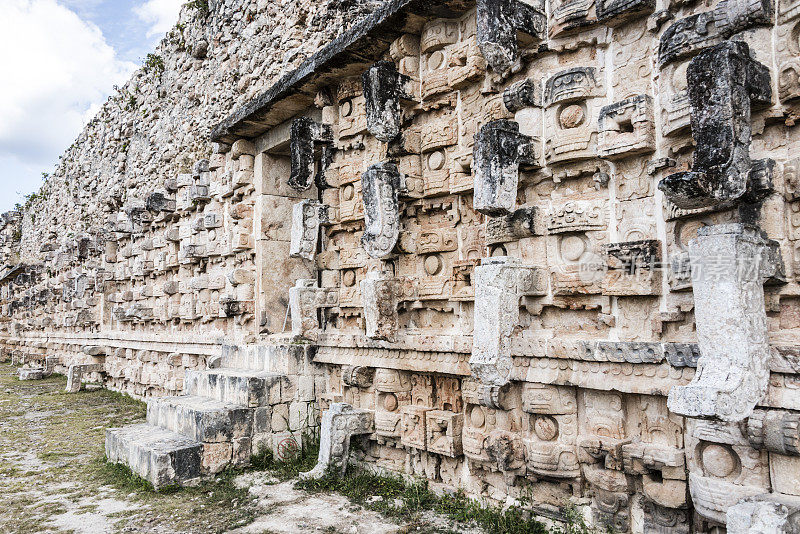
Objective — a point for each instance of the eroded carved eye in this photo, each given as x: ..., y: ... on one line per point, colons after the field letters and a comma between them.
x: 436, y: 160
x: 348, y: 192
x: 433, y: 264
x: 346, y: 108
x: 477, y: 417
x: 719, y: 460
x: 545, y: 427
x: 572, y: 116
x: 572, y: 248
x: 390, y: 402
x: 436, y: 60
x: 349, y: 278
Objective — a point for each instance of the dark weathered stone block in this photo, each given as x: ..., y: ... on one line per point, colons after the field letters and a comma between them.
x: 521, y: 223
x: 157, y: 202
x: 733, y: 16
x: 723, y: 81
x: 499, y: 151
x: 305, y: 135
x: 685, y: 36
x: 498, y: 23
x: 384, y: 88
x: 525, y: 94
x: 610, y: 11
x: 634, y: 255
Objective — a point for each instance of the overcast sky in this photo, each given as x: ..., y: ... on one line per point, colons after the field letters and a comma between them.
x: 60, y: 60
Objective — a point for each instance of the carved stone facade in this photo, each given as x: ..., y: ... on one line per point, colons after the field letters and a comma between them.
x: 524, y: 249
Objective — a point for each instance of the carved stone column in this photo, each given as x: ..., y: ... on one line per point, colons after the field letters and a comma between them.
x: 339, y: 423
x: 499, y: 284
x: 730, y: 263
x: 499, y: 151
x: 380, y: 189
x: 379, y: 293
x: 307, y: 216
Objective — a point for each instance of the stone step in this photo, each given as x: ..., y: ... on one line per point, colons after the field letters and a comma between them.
x: 158, y: 455
x: 244, y: 387
x: 201, y: 418
x: 280, y: 358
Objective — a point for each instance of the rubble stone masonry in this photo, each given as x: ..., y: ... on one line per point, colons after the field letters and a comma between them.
x: 537, y: 250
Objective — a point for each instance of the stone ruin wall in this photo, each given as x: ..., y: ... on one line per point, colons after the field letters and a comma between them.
x: 550, y: 249
x: 150, y: 132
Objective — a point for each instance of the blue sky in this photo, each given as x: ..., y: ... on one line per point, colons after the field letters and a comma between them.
x: 61, y: 59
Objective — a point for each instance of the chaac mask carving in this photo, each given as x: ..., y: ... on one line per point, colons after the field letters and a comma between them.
x: 384, y: 88
x: 724, y: 81
x: 498, y: 24
x: 305, y: 136
x: 380, y: 190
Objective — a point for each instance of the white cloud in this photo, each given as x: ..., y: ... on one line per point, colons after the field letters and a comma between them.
x: 57, y: 68
x: 160, y: 15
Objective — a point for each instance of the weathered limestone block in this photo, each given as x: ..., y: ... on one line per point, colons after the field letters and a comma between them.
x: 777, y: 431
x: 499, y: 150
x: 305, y: 298
x: 413, y: 426
x: 75, y: 374
x: 664, y: 520
x: 380, y: 190
x: 627, y: 128
x: 339, y: 423
x: 498, y: 24
x: 723, y: 468
x: 198, y: 193
x: 764, y: 513
x: 392, y: 392
x: 307, y: 216
x: 729, y: 266
x: 723, y: 81
x: 38, y: 372
x: 384, y: 88
x: 577, y: 216
x: 523, y: 222
x: 499, y: 284
x: 443, y: 432
x: 572, y: 106
x: 552, y: 430
x: 305, y: 136
x: 380, y: 295
x: 358, y: 376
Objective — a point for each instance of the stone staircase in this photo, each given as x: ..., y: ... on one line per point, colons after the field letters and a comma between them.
x: 226, y: 415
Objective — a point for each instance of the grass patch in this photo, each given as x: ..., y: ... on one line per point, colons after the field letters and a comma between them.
x: 288, y: 468
x: 121, y: 477
x: 58, y: 456
x: 405, y: 500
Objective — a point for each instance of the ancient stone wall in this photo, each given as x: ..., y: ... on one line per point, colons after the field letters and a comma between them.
x: 542, y: 251
x: 147, y: 143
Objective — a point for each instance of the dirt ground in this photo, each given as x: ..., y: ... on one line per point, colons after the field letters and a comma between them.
x: 53, y: 477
